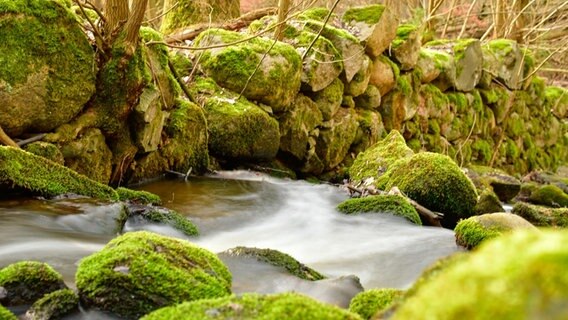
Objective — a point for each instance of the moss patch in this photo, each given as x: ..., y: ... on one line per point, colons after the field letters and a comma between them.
x: 279, y: 259
x: 368, y: 14
x: 139, y: 196
x: 139, y: 272
x: 370, y: 302
x: 54, y: 305
x: 41, y: 176
x: 394, y: 204
x: 542, y: 216
x: 27, y: 281
x: 6, y: 315
x: 291, y: 306
x: 164, y: 216
x: 549, y: 195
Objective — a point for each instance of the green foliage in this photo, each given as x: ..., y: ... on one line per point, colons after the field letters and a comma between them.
x: 139, y: 272
x: 279, y: 259
x: 139, y: 196
x: 290, y: 306
x: 370, y: 302
x: 41, y: 176
x: 393, y: 204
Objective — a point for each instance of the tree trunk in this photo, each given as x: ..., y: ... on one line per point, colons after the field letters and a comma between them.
x: 132, y: 28
x: 116, y: 12
x: 500, y: 18
x: 283, y: 7
x: 517, y: 33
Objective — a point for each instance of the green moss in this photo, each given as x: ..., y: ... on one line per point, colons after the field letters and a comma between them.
x: 369, y: 14
x: 393, y: 204
x: 6, y: 315
x: 139, y: 196
x: 374, y: 161
x: 41, y: 176
x: 27, y: 281
x: 402, y: 33
x: 435, y: 270
x: 46, y: 150
x: 470, y: 233
x: 171, y: 218
x: 434, y: 181
x: 139, y: 272
x: 488, y: 202
x: 317, y: 13
x: 370, y: 302
x: 291, y: 306
x: 483, y: 149
x: 279, y: 259
x: 498, y: 282
x: 459, y: 102
x: 184, y: 13
x: 549, y: 195
x: 404, y: 84
x: 54, y: 305
x: 542, y: 216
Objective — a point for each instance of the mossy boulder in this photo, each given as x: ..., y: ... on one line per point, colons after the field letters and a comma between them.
x: 5, y: 314
x: 471, y: 232
x: 405, y: 48
x: 290, y: 306
x: 390, y: 204
x: 370, y: 302
x: 329, y: 99
x: 89, y: 155
x: 274, y: 77
x: 184, y: 13
x: 54, y: 305
x: 46, y: 73
x: 154, y: 214
x: 505, y: 186
x: 548, y: 195
x: 526, y: 283
x: 333, y: 143
x: 238, y: 129
x: 542, y: 216
x: 503, y: 59
x: 556, y: 98
x: 383, y: 74
x: 375, y: 25
x: 297, y: 125
x: 371, y: 164
x: 138, y: 196
x: 488, y: 202
x: 27, y: 281
x: 278, y: 259
x: 468, y: 61
x: 46, y: 150
x: 23, y: 171
x: 434, y: 181
x: 436, y: 66
x: 139, y: 272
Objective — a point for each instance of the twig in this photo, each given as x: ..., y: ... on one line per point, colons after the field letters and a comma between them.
x: 257, y: 67
x: 180, y: 82
x: 162, y: 14
x: 465, y: 20
x: 35, y: 138
x: 95, y: 29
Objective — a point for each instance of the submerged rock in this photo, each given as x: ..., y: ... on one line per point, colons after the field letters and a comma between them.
x: 46, y: 66
x: 542, y: 216
x: 276, y: 80
x: 434, y: 181
x: 370, y: 302
x: 471, y: 232
x: 23, y: 283
x: 163, y: 216
x: 54, y: 305
x: 390, y: 204
x: 291, y: 306
x: 21, y: 170
x: 517, y: 276
x: 139, y: 272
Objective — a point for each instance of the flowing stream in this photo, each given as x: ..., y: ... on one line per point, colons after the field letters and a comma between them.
x: 236, y: 208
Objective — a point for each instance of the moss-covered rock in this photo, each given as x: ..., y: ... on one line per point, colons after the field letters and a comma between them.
x: 501, y: 283
x: 26, y: 281
x: 46, y: 73
x: 488, y: 202
x: 370, y: 302
x: 276, y: 80
x: 46, y: 150
x: 181, y: 14
x: 290, y: 306
x: 436, y: 66
x: 375, y: 25
x: 360, y: 81
x: 505, y: 186
x: 297, y: 125
x: 138, y: 196
x: 384, y: 73
x: 393, y: 204
x: 471, y: 232
x: 556, y: 98
x: 549, y: 195
x: 402, y: 103
x: 375, y: 161
x: 54, y: 305
x: 5, y: 314
x: 504, y: 61
x: 405, y: 48
x: 148, y: 120
x: 139, y: 272
x: 542, y: 216
x: 278, y: 259
x: 333, y: 143
x: 329, y: 99
x: 164, y: 216
x: 369, y: 132
x: 468, y: 61
x: 436, y: 182
x: 238, y: 129
x: 21, y: 170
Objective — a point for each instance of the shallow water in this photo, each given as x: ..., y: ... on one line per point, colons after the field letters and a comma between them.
x: 236, y: 209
